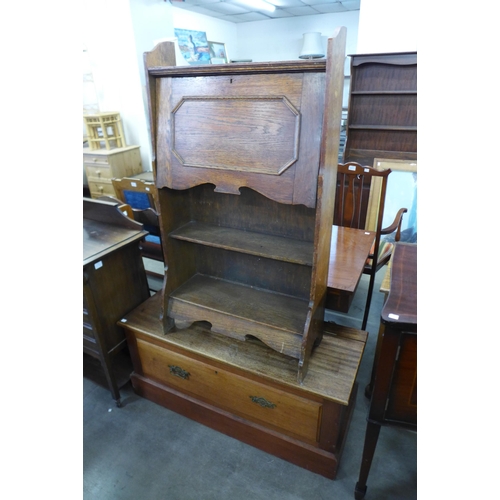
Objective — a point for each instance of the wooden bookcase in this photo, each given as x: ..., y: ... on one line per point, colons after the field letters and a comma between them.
x: 382, y: 116
x: 245, y: 159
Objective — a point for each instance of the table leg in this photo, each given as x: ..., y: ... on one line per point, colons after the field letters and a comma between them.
x: 371, y: 438
x: 110, y: 378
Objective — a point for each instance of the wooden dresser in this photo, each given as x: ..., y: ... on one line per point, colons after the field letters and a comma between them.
x: 247, y: 390
x: 114, y: 281
x: 394, y: 396
x: 102, y: 165
x: 382, y: 117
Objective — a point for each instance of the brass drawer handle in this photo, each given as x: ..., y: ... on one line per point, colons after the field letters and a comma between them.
x: 262, y: 402
x: 179, y: 372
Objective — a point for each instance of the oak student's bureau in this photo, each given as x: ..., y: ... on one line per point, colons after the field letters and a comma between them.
x: 245, y: 161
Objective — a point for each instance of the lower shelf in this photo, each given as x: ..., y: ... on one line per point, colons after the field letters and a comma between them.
x: 277, y: 320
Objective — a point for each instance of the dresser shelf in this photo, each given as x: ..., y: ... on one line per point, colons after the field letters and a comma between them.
x: 384, y: 92
x: 402, y: 128
x: 382, y: 116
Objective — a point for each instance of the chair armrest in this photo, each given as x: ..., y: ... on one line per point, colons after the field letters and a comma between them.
x: 396, y: 224
x: 146, y: 216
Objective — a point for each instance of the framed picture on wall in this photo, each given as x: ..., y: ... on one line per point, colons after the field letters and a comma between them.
x: 193, y: 46
x: 218, y: 52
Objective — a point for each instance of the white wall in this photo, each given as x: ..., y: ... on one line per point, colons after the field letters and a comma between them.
x: 122, y: 30
x: 387, y: 26
x: 281, y: 39
x: 116, y: 38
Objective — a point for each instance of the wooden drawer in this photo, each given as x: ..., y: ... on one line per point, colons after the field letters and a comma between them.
x: 92, y: 159
x: 98, y: 172
x: 288, y: 413
x: 102, y: 188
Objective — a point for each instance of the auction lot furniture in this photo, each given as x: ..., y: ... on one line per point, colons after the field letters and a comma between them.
x: 349, y: 203
x: 394, y: 396
x: 102, y: 165
x: 247, y: 390
x: 245, y: 159
x: 114, y: 281
x: 382, y: 117
x: 104, y: 130
x: 349, y: 251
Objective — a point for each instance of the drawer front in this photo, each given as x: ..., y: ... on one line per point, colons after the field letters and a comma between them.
x: 291, y: 414
x: 101, y: 189
x: 90, y: 159
x: 98, y: 172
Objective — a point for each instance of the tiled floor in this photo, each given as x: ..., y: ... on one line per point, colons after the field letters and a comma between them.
x: 143, y: 451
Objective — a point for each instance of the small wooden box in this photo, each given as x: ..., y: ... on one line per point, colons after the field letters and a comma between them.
x: 247, y: 390
x: 104, y: 131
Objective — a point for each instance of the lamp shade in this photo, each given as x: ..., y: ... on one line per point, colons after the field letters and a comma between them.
x: 312, y: 46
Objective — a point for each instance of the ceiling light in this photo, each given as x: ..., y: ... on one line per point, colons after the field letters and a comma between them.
x: 259, y: 5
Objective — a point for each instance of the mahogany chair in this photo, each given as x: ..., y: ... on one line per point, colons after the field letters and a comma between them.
x: 141, y: 196
x: 359, y: 204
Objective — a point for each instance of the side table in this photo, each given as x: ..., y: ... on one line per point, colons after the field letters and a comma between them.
x: 394, y: 397
x: 114, y: 281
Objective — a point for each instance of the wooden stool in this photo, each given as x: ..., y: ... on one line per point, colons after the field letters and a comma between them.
x: 104, y: 128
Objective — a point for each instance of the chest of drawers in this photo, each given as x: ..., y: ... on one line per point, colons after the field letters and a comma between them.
x: 102, y: 165
x: 247, y: 390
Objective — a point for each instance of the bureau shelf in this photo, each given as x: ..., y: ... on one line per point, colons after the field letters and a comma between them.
x: 252, y: 243
x: 279, y: 318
